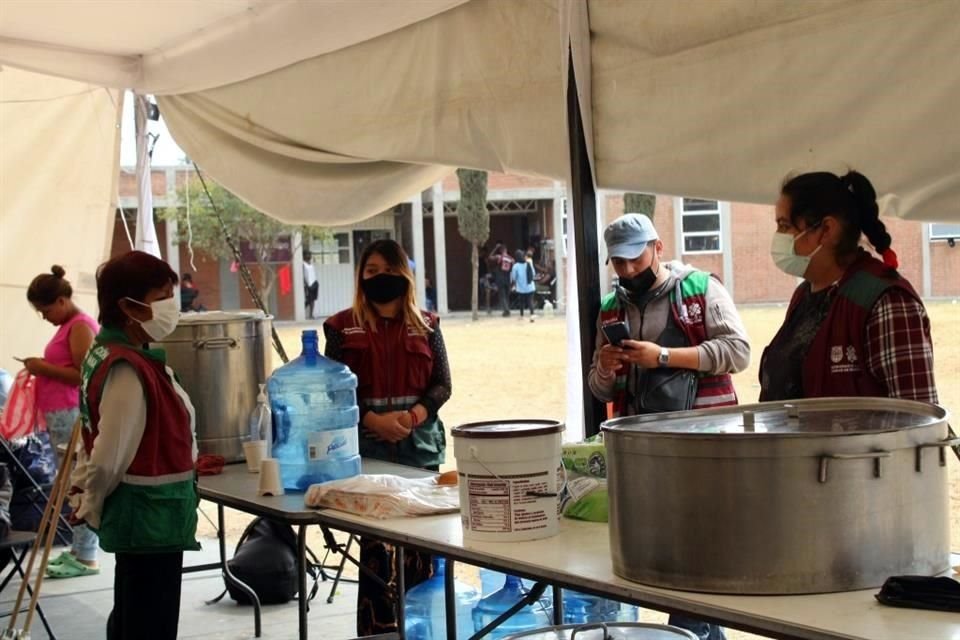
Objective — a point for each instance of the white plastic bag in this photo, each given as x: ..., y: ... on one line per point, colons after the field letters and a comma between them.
x: 385, y: 496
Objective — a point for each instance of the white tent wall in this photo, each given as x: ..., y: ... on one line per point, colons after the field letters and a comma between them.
x: 342, y: 136
x: 58, y: 173
x: 722, y: 99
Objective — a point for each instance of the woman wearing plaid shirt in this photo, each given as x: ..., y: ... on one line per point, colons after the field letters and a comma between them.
x: 855, y: 326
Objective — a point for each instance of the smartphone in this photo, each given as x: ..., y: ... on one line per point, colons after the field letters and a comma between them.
x: 616, y: 332
x: 19, y: 359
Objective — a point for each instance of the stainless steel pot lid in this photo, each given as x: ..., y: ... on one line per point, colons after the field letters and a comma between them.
x: 605, y: 631
x: 815, y: 417
x: 219, y: 317
x: 507, y: 428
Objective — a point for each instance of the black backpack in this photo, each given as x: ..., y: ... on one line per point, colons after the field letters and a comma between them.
x: 266, y: 560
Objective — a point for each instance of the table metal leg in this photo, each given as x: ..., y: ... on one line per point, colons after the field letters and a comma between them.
x: 401, y: 594
x: 232, y: 579
x: 557, y: 605
x: 303, y: 600
x: 450, y: 598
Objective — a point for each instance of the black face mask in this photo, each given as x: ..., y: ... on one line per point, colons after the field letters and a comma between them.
x: 640, y: 284
x: 384, y: 287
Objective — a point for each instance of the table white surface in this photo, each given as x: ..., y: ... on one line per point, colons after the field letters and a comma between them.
x: 579, y: 557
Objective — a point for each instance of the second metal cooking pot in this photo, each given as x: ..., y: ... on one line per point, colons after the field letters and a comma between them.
x: 606, y: 631
x: 808, y: 496
x: 221, y: 357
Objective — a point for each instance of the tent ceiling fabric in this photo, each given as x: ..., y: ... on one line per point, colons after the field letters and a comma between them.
x: 722, y: 99
x: 476, y: 86
x: 161, y: 47
x: 305, y: 108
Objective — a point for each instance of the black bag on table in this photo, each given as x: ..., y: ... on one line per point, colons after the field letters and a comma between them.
x: 266, y: 561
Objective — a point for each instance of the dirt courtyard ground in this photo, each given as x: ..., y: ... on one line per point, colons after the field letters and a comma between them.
x: 507, y: 368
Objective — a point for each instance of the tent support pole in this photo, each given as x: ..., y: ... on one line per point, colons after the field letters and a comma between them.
x: 583, y: 223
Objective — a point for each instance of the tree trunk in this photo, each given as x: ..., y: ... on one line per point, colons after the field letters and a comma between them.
x: 267, y: 277
x: 474, y: 291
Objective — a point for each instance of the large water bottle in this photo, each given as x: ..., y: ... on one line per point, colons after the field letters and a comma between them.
x: 491, y: 581
x: 583, y: 608
x: 315, y: 414
x: 534, y: 616
x: 425, y: 609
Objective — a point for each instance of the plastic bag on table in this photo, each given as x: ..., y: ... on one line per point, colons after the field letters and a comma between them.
x: 385, y: 496
x: 585, y: 495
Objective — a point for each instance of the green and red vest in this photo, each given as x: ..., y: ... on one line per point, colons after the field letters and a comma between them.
x: 688, y: 306
x: 154, y: 508
x: 393, y: 366
x: 835, y: 364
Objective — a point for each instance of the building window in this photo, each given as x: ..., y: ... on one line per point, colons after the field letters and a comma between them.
x: 700, y: 226
x: 943, y: 231
x: 334, y: 249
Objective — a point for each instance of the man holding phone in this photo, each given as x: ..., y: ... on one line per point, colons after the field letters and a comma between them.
x: 669, y: 337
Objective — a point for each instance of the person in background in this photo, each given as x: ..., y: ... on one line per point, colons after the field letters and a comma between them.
x: 685, y: 338
x: 523, y: 278
x: 504, y: 267
x: 397, y: 352
x: 135, y: 476
x: 58, y: 393
x: 189, y: 294
x: 311, y: 287
x: 855, y: 326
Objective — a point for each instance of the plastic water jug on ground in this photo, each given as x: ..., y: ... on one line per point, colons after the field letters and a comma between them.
x: 491, y: 606
x: 426, y: 611
x: 315, y: 415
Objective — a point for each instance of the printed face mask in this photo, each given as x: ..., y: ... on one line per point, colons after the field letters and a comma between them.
x: 384, y: 287
x: 166, y: 314
x: 785, y: 256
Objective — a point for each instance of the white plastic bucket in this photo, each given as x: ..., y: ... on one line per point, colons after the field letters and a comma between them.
x: 510, y: 476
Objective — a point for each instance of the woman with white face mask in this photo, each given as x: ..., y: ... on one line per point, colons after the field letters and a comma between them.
x: 855, y: 326
x: 135, y: 474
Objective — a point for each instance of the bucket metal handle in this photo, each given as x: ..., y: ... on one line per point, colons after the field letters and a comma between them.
x: 216, y: 343
x: 591, y: 627
x: 942, y: 445
x: 876, y: 456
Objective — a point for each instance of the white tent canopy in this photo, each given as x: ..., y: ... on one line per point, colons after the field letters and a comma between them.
x: 329, y: 111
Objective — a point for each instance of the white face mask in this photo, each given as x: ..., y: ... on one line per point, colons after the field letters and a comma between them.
x: 783, y: 252
x: 166, y: 315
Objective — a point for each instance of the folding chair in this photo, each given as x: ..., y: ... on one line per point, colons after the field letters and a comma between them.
x: 36, y: 490
x: 18, y: 544
x: 334, y: 547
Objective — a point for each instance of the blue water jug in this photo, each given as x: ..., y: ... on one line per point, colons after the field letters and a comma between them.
x: 426, y: 610
x: 491, y: 580
x: 530, y: 617
x: 315, y: 415
x: 583, y: 608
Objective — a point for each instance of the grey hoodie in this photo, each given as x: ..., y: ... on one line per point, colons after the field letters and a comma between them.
x: 726, y: 350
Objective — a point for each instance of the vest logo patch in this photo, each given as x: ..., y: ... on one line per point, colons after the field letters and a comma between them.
x: 844, y: 359
x: 696, y: 313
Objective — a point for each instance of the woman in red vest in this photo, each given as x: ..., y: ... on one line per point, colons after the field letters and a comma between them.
x: 855, y: 326
x: 397, y: 352
x: 136, y: 473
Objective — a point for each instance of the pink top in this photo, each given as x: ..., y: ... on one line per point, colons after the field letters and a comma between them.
x: 52, y: 394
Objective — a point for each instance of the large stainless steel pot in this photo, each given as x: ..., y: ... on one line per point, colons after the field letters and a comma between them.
x: 809, y: 496
x: 221, y: 357
x: 606, y: 631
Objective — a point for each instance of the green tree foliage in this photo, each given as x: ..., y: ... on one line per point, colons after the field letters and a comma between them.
x: 473, y: 222
x: 643, y: 203
x: 247, y: 226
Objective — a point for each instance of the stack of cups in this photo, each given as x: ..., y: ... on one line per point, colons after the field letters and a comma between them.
x: 270, y: 484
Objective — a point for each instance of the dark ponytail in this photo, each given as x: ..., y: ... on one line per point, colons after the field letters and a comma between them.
x: 47, y: 287
x: 851, y: 199
x: 868, y: 213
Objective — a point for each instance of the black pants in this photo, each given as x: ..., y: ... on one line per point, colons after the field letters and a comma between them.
x: 526, y: 302
x: 146, y: 596
x: 503, y: 286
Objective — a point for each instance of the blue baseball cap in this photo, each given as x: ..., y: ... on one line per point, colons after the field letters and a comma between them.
x: 628, y: 236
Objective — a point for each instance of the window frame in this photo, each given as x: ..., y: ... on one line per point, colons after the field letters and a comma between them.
x: 717, y: 211
x: 944, y: 237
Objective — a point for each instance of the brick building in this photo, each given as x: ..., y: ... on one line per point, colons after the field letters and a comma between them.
x: 729, y: 239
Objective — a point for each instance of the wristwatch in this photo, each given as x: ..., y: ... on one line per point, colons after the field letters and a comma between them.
x: 664, y: 358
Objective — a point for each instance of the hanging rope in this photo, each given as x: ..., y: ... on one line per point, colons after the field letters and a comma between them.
x: 244, y: 272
